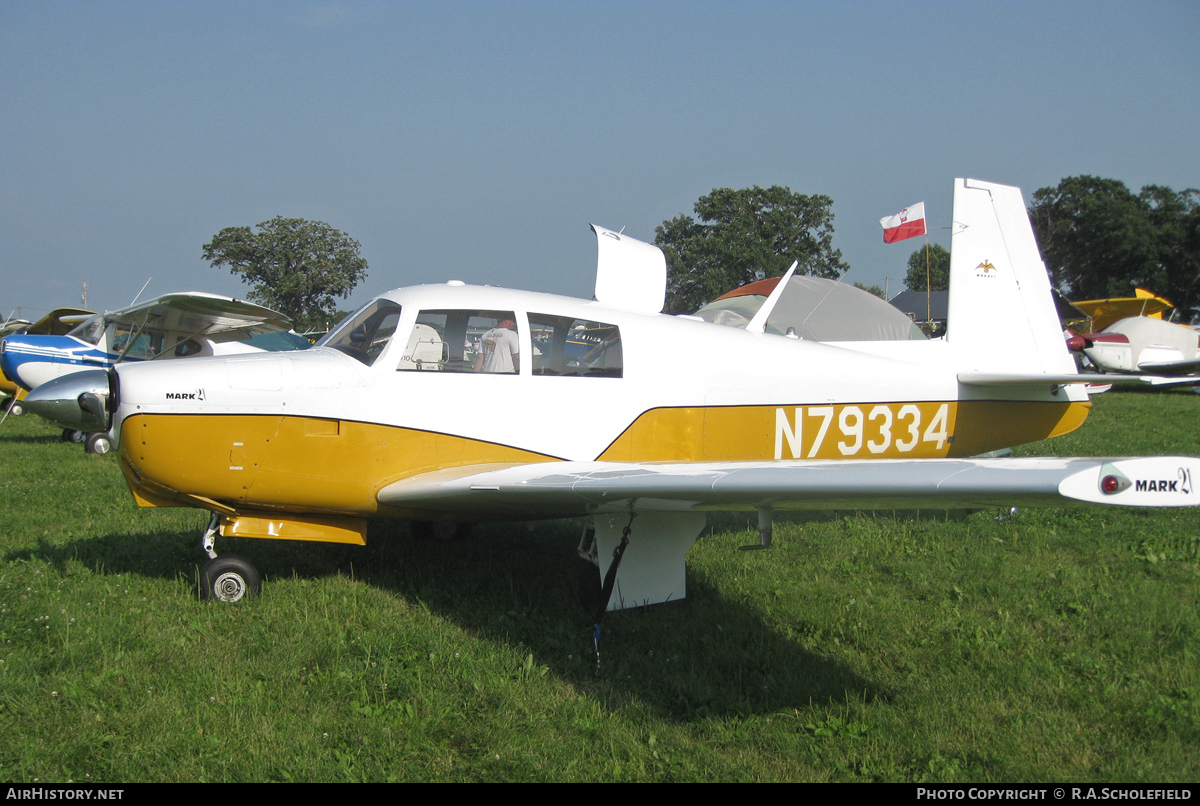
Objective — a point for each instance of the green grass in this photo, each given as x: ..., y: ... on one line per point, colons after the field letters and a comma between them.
x: 1059, y: 646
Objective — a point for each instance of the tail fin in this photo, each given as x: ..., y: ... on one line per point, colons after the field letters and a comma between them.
x: 1001, y: 309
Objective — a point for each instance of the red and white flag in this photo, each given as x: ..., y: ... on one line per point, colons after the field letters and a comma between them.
x: 908, y: 223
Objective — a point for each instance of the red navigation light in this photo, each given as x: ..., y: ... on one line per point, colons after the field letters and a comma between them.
x: 1110, y: 484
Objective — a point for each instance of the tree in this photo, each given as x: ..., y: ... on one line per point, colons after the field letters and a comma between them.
x: 872, y: 289
x: 1096, y: 237
x: 1100, y: 240
x: 742, y: 236
x: 295, y: 266
x: 1176, y: 220
x: 939, y: 269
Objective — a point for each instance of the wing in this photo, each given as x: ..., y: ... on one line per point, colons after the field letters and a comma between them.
x: 59, y: 322
x: 569, y: 488
x: 200, y: 313
x: 1103, y: 312
x: 1187, y: 367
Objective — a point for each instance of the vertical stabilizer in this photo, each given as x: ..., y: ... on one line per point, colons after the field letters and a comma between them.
x: 1002, y: 316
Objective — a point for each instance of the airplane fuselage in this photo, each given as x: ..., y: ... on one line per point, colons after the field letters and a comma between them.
x: 322, y: 431
x: 1143, y: 344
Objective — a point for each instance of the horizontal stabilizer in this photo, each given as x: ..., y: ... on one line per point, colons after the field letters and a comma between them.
x: 1037, y: 378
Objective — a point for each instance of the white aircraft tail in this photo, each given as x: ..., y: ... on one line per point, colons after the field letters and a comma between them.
x: 1001, y: 315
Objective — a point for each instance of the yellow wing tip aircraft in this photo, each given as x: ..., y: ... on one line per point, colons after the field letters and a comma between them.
x: 456, y: 403
x: 1104, y: 312
x: 1129, y: 335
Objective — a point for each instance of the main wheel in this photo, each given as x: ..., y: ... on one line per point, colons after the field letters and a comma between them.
x: 98, y: 443
x: 15, y: 407
x: 71, y: 435
x: 229, y: 579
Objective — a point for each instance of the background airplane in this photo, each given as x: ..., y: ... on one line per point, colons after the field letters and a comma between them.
x: 387, y: 418
x: 1129, y: 335
x: 178, y: 325
x: 58, y: 322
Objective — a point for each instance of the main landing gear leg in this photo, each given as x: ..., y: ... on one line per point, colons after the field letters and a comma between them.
x: 209, y: 540
x: 226, y: 579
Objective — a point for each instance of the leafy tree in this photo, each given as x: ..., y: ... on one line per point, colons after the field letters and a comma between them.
x: 295, y: 266
x: 872, y: 289
x: 939, y: 269
x: 739, y: 236
x: 1100, y: 240
x: 1176, y: 219
x: 1096, y: 237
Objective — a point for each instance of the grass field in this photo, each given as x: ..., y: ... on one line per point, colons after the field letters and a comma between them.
x: 1058, y: 646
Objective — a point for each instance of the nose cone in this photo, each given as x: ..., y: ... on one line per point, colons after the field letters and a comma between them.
x: 79, y: 400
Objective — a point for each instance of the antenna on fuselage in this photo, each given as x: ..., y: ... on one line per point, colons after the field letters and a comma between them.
x: 759, y: 323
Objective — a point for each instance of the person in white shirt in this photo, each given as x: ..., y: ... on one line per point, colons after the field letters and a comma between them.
x: 499, y: 349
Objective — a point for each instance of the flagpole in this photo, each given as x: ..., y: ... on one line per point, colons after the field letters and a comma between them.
x: 928, y: 286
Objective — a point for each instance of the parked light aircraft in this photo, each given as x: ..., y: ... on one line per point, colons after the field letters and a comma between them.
x: 171, y: 326
x: 667, y: 419
x: 1103, y: 312
x: 56, y: 323
x: 1129, y: 335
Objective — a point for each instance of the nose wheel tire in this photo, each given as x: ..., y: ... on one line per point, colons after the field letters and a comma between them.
x: 14, y: 407
x: 229, y: 579
x: 98, y: 443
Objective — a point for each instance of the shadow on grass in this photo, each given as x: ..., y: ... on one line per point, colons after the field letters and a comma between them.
x: 34, y: 439
x: 703, y: 657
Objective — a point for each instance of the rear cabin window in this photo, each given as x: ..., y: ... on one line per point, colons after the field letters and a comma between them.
x: 566, y: 346
x: 463, y: 341
x: 365, y: 336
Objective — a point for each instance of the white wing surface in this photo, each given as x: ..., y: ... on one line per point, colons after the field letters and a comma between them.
x: 565, y: 488
x: 197, y: 312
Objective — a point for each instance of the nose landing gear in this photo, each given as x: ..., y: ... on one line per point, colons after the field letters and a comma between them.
x: 226, y: 579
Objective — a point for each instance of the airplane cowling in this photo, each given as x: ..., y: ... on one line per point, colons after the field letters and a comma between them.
x: 80, y: 401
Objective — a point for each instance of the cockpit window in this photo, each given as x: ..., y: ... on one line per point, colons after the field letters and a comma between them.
x: 90, y: 330
x: 364, y: 336
x: 464, y: 341
x: 566, y: 346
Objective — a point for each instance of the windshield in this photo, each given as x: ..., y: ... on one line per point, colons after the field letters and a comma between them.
x: 90, y: 331
x: 365, y: 335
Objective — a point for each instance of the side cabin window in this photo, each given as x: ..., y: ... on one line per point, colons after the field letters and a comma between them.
x: 566, y: 346
x: 367, y: 333
x: 463, y: 341
x: 144, y: 345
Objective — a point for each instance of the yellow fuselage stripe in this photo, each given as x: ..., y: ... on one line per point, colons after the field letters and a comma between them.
x: 258, y: 464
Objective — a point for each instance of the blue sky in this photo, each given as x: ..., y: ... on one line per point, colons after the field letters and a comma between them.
x: 476, y: 141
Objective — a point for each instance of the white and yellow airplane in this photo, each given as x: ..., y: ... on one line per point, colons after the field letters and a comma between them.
x: 395, y: 414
